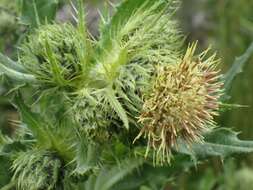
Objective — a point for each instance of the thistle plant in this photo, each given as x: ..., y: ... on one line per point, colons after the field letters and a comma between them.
x: 98, y: 105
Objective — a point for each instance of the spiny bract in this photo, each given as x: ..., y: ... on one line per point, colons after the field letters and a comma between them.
x: 182, y: 103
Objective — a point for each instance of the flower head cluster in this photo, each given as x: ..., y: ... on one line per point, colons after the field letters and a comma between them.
x: 182, y: 103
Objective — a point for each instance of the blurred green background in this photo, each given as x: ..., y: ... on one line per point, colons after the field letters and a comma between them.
x: 226, y: 25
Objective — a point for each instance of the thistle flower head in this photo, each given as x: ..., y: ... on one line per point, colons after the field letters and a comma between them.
x: 182, y: 103
x: 37, y: 169
x: 52, y: 54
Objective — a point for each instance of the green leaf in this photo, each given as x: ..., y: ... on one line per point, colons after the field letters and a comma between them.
x: 108, y: 177
x: 33, y: 121
x: 9, y: 186
x: 5, y: 174
x: 237, y: 68
x: 87, y: 156
x: 112, y: 99
x: 147, y: 176
x: 34, y: 10
x: 220, y: 142
x: 47, y: 135
x: 127, y: 16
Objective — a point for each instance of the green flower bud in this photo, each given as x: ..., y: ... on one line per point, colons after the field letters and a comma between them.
x: 37, y: 170
x: 52, y: 55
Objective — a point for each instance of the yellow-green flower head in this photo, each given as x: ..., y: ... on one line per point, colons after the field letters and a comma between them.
x: 181, y: 104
